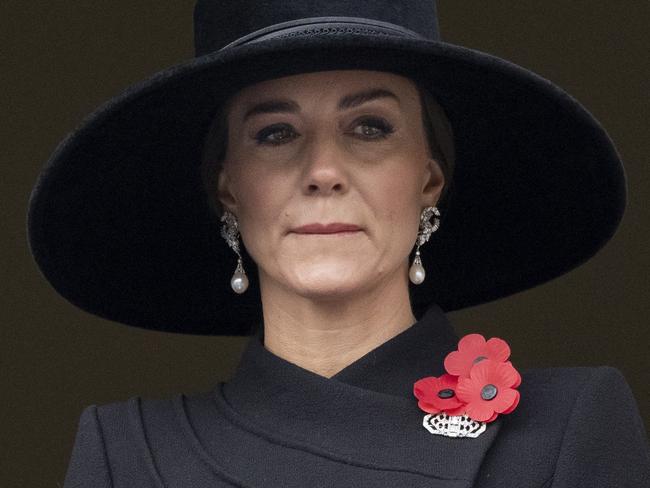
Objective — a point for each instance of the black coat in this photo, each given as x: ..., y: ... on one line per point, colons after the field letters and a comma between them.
x: 275, y: 424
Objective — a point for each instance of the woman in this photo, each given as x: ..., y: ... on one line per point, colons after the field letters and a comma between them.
x: 369, y: 178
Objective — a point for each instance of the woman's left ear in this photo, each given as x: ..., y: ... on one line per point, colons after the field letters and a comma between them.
x: 434, y: 180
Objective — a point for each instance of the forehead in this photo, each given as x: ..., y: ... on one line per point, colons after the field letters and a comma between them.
x: 325, y: 87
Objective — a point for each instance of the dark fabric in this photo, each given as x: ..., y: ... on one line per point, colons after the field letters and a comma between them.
x: 211, y: 33
x: 119, y: 223
x: 275, y: 424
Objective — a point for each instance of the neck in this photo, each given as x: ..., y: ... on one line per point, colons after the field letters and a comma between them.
x: 325, y: 336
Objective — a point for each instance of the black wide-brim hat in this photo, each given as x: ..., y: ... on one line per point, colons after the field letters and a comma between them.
x: 119, y: 223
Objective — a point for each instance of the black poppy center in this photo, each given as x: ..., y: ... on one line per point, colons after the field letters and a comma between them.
x: 446, y: 393
x: 488, y: 392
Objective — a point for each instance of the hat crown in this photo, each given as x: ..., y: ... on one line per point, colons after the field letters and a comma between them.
x: 218, y: 23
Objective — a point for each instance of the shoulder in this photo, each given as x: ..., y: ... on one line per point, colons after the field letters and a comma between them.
x: 130, y: 414
x: 579, y: 386
x: 137, y: 419
x: 580, y: 410
x: 570, y: 380
x: 577, y: 423
x: 558, y: 391
x: 127, y: 438
x: 599, y: 435
x: 120, y: 430
x: 572, y: 374
x: 558, y: 404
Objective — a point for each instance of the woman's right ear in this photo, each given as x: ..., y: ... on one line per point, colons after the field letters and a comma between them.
x: 225, y: 193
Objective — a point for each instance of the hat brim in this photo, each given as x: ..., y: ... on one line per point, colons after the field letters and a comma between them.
x: 118, y: 221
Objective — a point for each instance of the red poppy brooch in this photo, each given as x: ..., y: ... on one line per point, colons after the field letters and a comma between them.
x: 478, y: 386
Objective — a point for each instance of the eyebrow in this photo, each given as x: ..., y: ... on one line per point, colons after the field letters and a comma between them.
x: 347, y: 102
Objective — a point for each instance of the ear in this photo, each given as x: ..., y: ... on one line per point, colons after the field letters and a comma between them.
x: 434, y: 180
x: 225, y: 193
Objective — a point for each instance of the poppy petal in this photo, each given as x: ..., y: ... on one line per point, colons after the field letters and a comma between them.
x: 518, y: 381
x: 514, y: 403
x: 455, y: 364
x: 505, y: 374
x: 505, y: 398
x: 480, y: 411
x: 424, y: 388
x: 467, y: 390
x: 491, y: 419
x: 498, y: 349
x: 448, y: 381
x: 456, y: 411
x: 471, y: 342
x: 427, y: 407
x: 481, y: 372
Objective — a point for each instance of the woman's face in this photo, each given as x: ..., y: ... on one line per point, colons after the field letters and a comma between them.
x: 331, y: 146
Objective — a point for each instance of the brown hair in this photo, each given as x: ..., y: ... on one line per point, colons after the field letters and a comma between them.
x: 436, y: 124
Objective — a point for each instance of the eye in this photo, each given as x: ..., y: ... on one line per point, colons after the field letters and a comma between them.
x: 372, y: 128
x: 379, y: 128
x: 280, y: 133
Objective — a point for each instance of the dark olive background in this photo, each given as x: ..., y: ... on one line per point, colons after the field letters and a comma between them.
x: 62, y: 59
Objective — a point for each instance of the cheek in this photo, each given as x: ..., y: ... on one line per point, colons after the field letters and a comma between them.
x: 262, y: 201
x: 397, y: 209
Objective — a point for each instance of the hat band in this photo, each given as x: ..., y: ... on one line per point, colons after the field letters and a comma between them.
x: 324, y: 25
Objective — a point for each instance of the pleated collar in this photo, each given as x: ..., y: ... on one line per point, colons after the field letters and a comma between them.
x: 366, y: 413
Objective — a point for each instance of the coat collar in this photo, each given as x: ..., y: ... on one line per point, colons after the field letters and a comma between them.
x: 367, y: 412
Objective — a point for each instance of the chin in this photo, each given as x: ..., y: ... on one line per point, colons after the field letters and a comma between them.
x: 328, y: 284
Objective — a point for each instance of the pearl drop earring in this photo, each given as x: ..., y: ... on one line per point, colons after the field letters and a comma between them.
x: 416, y: 272
x: 230, y: 231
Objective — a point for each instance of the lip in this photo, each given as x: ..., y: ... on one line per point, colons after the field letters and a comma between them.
x: 332, y: 228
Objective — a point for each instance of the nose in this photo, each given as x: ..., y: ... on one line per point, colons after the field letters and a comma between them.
x: 325, y: 170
